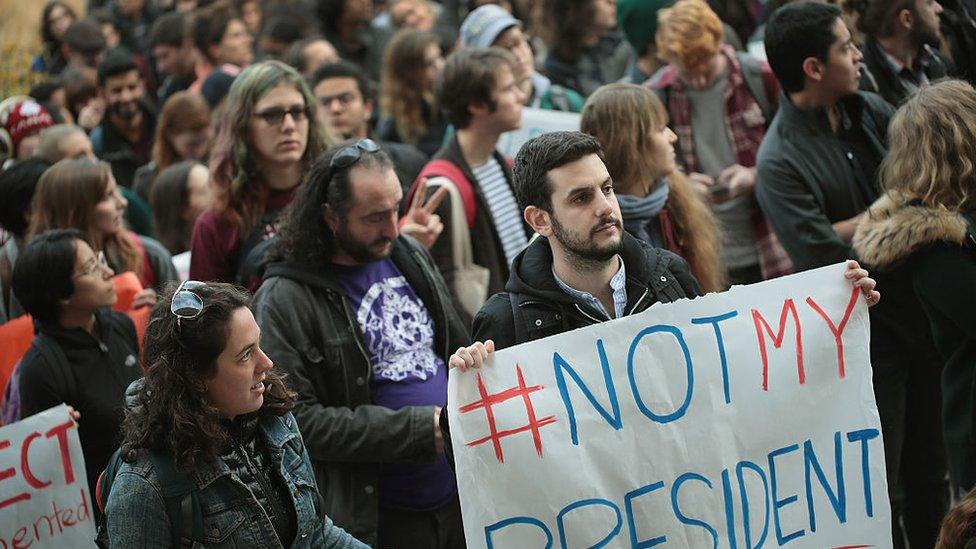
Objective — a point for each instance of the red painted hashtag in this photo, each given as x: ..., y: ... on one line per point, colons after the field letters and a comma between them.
x: 487, y: 401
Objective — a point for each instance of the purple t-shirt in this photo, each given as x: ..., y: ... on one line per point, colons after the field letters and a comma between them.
x: 399, y: 337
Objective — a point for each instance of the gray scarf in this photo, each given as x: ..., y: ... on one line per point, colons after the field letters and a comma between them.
x: 639, y: 211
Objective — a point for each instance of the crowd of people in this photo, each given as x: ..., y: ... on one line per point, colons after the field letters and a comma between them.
x: 252, y: 236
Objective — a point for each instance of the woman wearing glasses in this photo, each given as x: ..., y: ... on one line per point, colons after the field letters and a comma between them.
x: 84, y: 354
x: 267, y: 139
x: 212, y: 405
x: 82, y: 194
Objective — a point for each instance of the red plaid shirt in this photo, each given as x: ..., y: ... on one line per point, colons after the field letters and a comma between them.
x: 746, y: 126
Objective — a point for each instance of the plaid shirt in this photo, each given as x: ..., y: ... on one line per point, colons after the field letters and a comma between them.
x: 746, y: 126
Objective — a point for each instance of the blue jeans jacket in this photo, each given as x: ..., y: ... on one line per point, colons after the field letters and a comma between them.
x: 137, y: 517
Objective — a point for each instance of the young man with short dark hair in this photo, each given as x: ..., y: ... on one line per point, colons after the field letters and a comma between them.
x: 818, y: 168
x: 175, y: 57
x: 901, y: 47
x: 480, y: 96
x: 125, y: 136
x: 346, y: 102
x: 83, y: 44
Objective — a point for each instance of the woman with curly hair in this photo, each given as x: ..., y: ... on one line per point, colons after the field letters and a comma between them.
x: 411, y: 66
x: 657, y: 202
x: 923, y: 230
x: 266, y: 141
x: 82, y: 194
x: 211, y: 408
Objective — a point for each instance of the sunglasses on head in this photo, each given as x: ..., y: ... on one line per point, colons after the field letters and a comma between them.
x: 187, y: 304
x: 347, y: 156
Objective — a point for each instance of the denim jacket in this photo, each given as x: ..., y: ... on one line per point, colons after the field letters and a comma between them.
x: 137, y: 516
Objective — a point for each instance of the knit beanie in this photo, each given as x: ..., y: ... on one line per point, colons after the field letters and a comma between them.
x: 638, y: 20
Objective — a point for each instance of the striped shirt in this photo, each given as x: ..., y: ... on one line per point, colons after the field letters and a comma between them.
x: 504, y: 209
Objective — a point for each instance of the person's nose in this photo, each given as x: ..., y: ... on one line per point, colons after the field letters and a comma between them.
x: 288, y: 123
x: 672, y: 137
x: 120, y: 201
x: 265, y: 363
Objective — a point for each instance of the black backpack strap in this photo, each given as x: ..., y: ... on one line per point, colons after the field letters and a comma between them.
x: 182, y: 502
x: 54, y: 355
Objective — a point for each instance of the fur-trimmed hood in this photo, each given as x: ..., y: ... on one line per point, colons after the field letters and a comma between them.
x: 893, y: 230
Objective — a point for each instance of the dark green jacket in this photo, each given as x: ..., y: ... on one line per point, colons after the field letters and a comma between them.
x: 805, y: 181
x: 936, y: 251
x: 309, y: 331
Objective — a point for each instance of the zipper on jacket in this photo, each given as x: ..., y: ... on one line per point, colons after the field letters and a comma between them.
x: 262, y: 482
x: 359, y: 344
x: 634, y: 308
x: 587, y: 315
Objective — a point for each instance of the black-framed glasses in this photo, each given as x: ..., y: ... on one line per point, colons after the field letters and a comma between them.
x: 187, y: 304
x: 347, y: 156
x: 275, y: 116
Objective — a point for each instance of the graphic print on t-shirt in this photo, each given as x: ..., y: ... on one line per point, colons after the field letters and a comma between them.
x: 397, y: 329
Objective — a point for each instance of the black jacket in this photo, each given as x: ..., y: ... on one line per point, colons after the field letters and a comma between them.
x: 806, y: 182
x: 544, y: 309
x: 92, y: 378
x: 878, y: 76
x: 312, y: 335
x: 111, y: 147
x: 934, y: 251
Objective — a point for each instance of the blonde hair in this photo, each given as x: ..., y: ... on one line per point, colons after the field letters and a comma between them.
x: 690, y: 32
x: 930, y: 157
x: 622, y: 117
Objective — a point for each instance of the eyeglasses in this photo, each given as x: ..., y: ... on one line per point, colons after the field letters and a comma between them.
x: 93, y: 265
x: 187, y: 304
x: 275, y: 116
x: 347, y: 156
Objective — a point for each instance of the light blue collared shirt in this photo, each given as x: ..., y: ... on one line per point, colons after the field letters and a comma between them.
x: 618, y: 284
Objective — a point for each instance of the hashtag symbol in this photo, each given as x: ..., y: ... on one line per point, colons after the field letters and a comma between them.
x: 487, y: 401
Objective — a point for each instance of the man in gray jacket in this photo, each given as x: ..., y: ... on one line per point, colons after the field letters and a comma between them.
x: 361, y: 322
x: 817, y: 175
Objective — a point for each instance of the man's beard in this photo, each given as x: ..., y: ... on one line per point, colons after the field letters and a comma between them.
x: 356, y: 249
x: 583, y: 252
x: 125, y: 110
x: 924, y: 35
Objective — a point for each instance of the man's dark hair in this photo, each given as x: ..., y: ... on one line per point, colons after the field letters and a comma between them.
x: 305, y: 237
x: 344, y: 69
x: 796, y: 32
x: 543, y: 153
x: 168, y: 30
x: 42, y: 91
x: 330, y: 13
x: 878, y: 18
x: 43, y: 273
x: 287, y: 23
x: 84, y: 37
x: 209, y: 26
x: 115, y: 64
x: 468, y: 78
x: 17, y: 186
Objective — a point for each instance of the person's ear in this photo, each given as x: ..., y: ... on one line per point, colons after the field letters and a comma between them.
x: 539, y: 219
x: 813, y: 69
x: 478, y: 109
x: 330, y: 217
x: 368, y: 108
x: 906, y: 19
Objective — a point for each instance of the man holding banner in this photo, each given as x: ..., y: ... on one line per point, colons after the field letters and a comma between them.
x: 585, y: 438
x: 587, y: 269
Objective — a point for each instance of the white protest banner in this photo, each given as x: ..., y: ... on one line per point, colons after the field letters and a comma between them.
x: 44, y: 499
x: 737, y: 420
x: 536, y: 122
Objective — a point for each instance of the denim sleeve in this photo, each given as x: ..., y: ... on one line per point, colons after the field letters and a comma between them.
x: 136, y: 514
x: 331, y: 536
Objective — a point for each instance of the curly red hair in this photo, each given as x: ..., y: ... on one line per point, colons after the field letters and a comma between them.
x: 689, y: 32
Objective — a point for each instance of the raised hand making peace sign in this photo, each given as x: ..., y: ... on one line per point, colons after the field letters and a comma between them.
x: 420, y: 221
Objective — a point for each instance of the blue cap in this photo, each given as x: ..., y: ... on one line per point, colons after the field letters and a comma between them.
x: 482, y: 26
